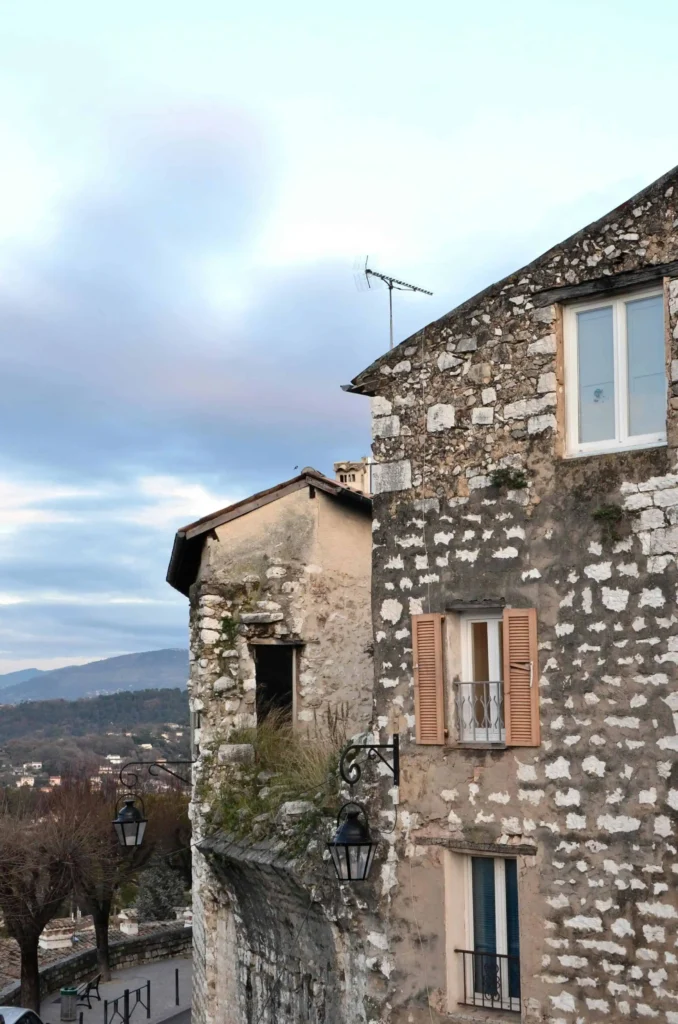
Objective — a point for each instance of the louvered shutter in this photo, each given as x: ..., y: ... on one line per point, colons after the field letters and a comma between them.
x: 429, y: 702
x: 521, y: 677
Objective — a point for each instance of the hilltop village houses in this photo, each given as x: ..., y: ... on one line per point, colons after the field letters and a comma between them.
x: 524, y: 531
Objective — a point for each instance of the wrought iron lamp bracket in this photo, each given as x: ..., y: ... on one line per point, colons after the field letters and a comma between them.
x: 350, y: 768
x: 154, y: 769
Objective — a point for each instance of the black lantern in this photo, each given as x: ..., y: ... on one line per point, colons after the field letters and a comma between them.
x: 130, y: 824
x: 352, y: 847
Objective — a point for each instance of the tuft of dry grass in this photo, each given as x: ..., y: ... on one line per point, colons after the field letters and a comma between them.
x: 288, y: 765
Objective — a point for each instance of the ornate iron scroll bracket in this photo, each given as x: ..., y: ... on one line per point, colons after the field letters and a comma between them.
x: 129, y: 778
x: 350, y: 768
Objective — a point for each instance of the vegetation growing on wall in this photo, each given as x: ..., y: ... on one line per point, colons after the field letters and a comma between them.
x: 286, y: 767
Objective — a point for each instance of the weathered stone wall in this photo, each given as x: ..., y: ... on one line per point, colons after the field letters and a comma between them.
x: 287, y: 945
x: 297, y: 571
x: 592, y: 812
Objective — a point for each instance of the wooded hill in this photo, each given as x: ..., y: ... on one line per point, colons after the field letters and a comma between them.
x: 70, y: 734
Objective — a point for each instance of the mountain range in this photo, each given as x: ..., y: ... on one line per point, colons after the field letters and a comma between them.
x: 155, y: 670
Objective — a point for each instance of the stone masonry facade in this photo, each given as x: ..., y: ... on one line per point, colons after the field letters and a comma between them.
x: 592, y: 812
x: 268, y: 947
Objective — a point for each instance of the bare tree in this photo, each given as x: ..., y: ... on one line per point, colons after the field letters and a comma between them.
x: 38, y: 854
x: 102, y: 866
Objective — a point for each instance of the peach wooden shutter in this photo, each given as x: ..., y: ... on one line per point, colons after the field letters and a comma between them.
x: 521, y: 677
x: 429, y: 702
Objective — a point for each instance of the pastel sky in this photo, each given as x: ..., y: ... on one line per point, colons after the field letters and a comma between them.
x: 184, y: 190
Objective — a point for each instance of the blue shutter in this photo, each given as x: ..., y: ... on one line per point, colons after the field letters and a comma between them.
x: 512, y: 927
x: 484, y: 929
x: 484, y: 917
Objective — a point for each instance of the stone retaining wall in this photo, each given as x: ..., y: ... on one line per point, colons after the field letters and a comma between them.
x: 144, y: 949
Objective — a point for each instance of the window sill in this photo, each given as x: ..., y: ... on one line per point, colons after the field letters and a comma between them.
x: 480, y: 745
x: 617, y: 450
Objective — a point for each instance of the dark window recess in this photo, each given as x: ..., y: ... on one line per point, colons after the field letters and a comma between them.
x: 275, y: 674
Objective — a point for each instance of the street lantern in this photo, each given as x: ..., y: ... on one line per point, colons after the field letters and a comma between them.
x: 352, y: 847
x: 130, y: 824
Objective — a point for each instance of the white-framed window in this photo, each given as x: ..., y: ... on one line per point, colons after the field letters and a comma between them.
x: 615, y: 373
x: 480, y: 693
x: 491, y: 959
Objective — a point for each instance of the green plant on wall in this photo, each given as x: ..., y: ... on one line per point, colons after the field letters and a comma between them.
x: 511, y: 479
x: 229, y: 630
x: 609, y: 517
x: 287, y: 766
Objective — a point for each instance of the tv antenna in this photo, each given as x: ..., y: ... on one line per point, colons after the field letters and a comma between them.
x: 391, y: 283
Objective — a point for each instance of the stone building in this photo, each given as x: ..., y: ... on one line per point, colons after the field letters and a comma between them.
x: 279, y: 588
x: 524, y: 589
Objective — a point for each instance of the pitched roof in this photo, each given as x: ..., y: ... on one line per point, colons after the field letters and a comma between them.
x: 188, y: 542
x: 371, y: 380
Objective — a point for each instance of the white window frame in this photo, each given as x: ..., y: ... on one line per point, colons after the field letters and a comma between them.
x: 500, y: 923
x: 495, y: 655
x: 622, y: 440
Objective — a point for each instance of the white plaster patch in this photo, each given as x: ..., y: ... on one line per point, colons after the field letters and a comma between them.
x: 652, y: 598
x: 599, y: 571
x: 391, y: 610
x: 531, y: 796
x: 558, y: 769
x: 661, y: 910
x: 526, y: 772
x: 567, y: 798
x: 618, y: 823
x: 584, y: 924
x: 530, y: 574
x: 508, y: 552
x: 615, y: 598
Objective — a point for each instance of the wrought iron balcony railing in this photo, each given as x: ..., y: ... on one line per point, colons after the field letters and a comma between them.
x: 480, y: 712
x: 491, y: 980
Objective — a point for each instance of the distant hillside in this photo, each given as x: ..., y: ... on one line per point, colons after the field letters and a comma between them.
x: 10, y: 678
x: 69, y: 735
x: 150, y: 670
x: 113, y: 712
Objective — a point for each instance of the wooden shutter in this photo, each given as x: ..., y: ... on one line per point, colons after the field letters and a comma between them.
x: 429, y: 701
x: 521, y: 677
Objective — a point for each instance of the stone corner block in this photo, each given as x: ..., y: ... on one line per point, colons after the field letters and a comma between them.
x: 439, y: 417
x: 235, y: 753
x: 391, y: 476
x: 482, y: 417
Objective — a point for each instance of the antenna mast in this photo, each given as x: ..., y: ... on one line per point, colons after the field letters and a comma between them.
x: 391, y: 283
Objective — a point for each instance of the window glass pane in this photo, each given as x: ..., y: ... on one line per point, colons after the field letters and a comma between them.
x: 647, y: 375
x: 481, y: 659
x: 595, y: 348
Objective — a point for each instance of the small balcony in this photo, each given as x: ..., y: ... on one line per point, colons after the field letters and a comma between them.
x: 480, y: 712
x: 491, y: 980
